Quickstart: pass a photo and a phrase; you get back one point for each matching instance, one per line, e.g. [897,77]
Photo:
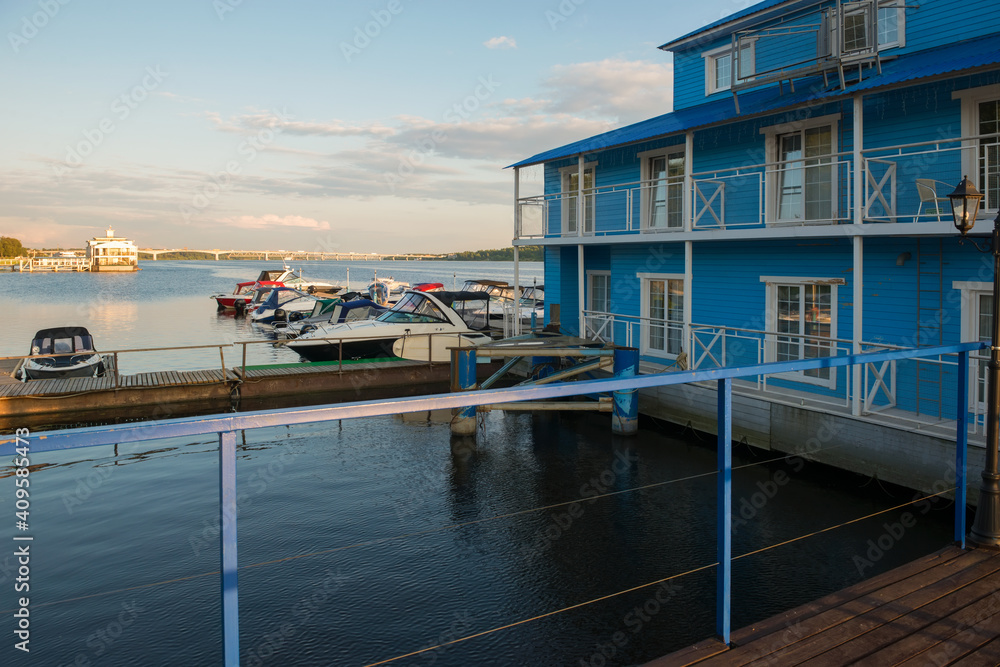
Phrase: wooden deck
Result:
[943,609]
[176,393]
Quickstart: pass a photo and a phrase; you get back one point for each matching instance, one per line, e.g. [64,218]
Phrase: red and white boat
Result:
[244,292]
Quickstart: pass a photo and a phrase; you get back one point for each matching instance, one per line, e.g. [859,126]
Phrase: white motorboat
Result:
[327,311]
[299,282]
[72,355]
[279,303]
[415,314]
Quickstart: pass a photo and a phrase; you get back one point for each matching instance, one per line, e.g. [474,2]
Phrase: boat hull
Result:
[93,367]
[372,348]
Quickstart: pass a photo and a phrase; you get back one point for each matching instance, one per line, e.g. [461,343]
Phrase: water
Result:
[166,305]
[367,539]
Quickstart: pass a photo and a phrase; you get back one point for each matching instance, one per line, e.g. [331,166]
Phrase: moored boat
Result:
[72,355]
[244,292]
[416,313]
[327,311]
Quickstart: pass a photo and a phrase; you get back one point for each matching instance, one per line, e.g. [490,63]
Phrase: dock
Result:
[943,609]
[178,393]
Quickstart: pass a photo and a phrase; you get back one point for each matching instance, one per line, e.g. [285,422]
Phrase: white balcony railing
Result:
[902,183]
[883,387]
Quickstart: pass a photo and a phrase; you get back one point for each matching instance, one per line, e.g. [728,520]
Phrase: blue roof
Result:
[961,57]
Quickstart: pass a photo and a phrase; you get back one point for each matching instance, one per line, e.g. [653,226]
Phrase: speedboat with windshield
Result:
[72,355]
[327,311]
[460,315]
[244,292]
[280,303]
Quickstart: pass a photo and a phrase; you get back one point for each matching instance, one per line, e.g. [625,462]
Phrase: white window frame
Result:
[644,349]
[710,57]
[900,6]
[971,291]
[645,189]
[608,334]
[900,41]
[770,347]
[970,99]
[564,176]
[771,134]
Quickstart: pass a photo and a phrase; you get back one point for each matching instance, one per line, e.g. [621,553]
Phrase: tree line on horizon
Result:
[11,247]
[532,253]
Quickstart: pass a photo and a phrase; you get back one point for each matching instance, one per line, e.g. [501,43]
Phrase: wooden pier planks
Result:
[935,610]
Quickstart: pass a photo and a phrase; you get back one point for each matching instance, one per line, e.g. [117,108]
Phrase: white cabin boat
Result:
[112,253]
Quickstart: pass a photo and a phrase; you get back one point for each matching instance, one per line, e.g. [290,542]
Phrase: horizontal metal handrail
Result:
[189,426]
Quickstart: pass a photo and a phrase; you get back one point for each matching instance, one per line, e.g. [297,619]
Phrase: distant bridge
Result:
[291,256]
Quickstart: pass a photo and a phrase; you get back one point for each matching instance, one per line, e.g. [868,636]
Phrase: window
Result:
[977,324]
[599,305]
[570,188]
[802,179]
[981,157]
[988,153]
[802,320]
[719,67]
[891,19]
[662,196]
[868,24]
[663,313]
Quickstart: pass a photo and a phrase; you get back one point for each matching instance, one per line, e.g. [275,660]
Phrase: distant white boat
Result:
[112,253]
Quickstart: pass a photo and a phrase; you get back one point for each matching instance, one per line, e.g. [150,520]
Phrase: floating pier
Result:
[179,393]
[943,609]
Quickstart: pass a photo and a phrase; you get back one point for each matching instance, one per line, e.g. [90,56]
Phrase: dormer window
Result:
[719,67]
[891,23]
[866,22]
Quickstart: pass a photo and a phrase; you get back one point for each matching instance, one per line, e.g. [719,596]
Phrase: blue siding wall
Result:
[927,25]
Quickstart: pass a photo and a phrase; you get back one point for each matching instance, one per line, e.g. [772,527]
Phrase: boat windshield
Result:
[413,307]
[288,295]
[64,345]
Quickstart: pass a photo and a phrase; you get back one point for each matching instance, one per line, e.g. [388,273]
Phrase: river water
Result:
[368,539]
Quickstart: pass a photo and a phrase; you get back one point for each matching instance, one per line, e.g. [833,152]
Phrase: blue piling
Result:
[625,417]
[227,517]
[463,378]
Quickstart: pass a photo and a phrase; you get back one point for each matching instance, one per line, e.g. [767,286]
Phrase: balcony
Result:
[887,392]
[907,183]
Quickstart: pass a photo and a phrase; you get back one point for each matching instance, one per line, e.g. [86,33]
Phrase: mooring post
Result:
[227,539]
[463,378]
[961,446]
[724,516]
[625,417]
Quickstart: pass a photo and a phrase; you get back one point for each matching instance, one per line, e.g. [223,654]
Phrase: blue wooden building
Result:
[793,205]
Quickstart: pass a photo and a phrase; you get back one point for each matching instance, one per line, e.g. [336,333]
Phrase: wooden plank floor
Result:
[943,609]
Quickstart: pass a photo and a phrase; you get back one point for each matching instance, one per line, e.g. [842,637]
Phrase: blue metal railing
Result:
[227,425]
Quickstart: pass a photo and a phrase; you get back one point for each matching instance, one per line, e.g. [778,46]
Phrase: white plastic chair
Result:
[927,190]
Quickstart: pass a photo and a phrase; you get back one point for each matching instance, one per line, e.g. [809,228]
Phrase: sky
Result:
[370,126]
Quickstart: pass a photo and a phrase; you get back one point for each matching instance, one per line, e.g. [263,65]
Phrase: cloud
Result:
[271,221]
[260,120]
[626,90]
[501,42]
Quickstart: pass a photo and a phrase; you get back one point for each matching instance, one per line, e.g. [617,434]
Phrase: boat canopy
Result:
[62,340]
[279,296]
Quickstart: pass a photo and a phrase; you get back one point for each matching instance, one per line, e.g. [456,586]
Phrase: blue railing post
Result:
[724,514]
[625,417]
[227,522]
[961,446]
[463,378]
